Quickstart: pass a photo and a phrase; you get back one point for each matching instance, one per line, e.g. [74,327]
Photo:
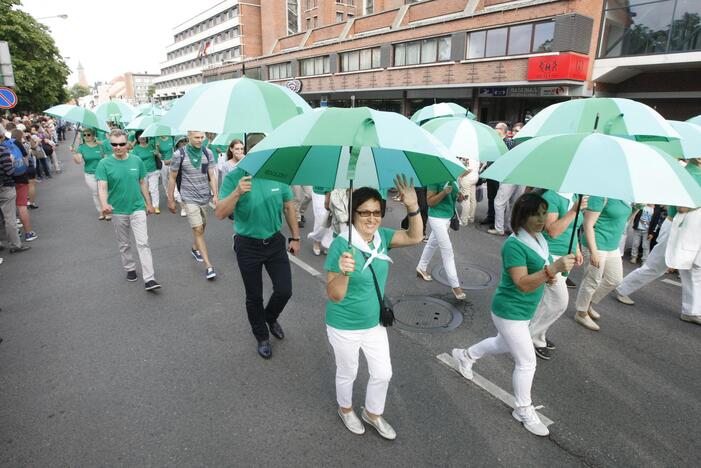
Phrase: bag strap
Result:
[377,285]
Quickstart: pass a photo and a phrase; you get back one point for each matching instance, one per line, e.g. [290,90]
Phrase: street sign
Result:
[8,98]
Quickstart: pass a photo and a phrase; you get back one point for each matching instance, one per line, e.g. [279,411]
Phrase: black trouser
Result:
[252,255]
[492,189]
[61,131]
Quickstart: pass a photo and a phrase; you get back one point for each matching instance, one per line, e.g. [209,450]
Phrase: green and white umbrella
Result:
[142,122]
[158,129]
[467,138]
[116,111]
[689,146]
[239,105]
[601,165]
[695,120]
[222,141]
[442,109]
[150,109]
[339,148]
[611,116]
[78,115]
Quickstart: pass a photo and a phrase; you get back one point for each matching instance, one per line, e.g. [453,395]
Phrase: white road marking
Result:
[304,266]
[669,281]
[490,387]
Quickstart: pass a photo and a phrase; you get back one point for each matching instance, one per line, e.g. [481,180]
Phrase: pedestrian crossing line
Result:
[491,388]
[669,281]
[304,266]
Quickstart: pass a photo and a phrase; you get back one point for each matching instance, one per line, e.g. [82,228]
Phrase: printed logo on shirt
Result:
[133,169]
[275,190]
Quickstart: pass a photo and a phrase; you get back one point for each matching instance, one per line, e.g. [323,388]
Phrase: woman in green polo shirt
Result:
[355,281]
[89,153]
[146,151]
[527,266]
[605,222]
[441,207]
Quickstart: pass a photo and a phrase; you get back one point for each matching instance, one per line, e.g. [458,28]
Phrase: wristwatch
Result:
[292,239]
[413,213]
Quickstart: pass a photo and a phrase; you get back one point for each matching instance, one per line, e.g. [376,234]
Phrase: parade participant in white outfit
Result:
[508,193]
[468,190]
[321,235]
[527,266]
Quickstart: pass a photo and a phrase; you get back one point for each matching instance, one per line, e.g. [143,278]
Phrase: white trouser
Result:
[303,196]
[439,238]
[691,290]
[654,267]
[469,203]
[91,182]
[375,346]
[640,237]
[551,307]
[598,282]
[504,203]
[165,174]
[320,233]
[513,338]
[153,189]
[136,223]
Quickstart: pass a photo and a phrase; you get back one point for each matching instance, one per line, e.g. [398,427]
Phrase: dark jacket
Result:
[7,169]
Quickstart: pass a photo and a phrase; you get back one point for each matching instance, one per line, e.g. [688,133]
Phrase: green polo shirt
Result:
[165,147]
[123,183]
[319,190]
[611,225]
[92,155]
[104,139]
[509,302]
[258,213]
[556,204]
[446,208]
[145,153]
[360,308]
[695,172]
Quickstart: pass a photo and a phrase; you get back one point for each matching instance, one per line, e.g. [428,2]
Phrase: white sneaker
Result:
[624,299]
[530,421]
[383,428]
[464,361]
[352,422]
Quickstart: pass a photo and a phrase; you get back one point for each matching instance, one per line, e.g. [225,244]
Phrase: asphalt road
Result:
[96,372]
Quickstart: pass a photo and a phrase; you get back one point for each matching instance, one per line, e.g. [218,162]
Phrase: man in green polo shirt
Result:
[258,206]
[124,195]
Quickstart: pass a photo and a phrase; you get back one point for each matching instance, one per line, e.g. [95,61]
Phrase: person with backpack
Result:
[21,178]
[89,153]
[193,171]
[8,197]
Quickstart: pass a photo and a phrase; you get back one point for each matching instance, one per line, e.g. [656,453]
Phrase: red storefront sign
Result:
[558,67]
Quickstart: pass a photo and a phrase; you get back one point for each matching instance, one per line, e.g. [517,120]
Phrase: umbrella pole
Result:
[574,227]
[350,214]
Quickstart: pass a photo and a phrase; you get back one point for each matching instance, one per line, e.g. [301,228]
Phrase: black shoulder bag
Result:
[386,312]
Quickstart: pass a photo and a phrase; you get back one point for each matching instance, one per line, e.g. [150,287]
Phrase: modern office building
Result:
[651,51]
[137,86]
[212,37]
[500,58]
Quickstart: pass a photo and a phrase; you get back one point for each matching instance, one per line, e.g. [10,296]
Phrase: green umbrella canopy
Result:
[442,109]
[142,122]
[612,116]
[467,138]
[78,115]
[689,146]
[115,111]
[330,147]
[149,109]
[695,120]
[158,129]
[222,141]
[239,105]
[601,165]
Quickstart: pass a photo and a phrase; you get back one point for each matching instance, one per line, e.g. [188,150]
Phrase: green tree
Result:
[151,91]
[78,91]
[40,72]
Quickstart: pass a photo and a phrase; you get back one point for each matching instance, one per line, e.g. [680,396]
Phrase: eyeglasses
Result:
[367,214]
[118,144]
[87,134]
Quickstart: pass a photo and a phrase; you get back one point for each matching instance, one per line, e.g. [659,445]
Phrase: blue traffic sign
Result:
[8,98]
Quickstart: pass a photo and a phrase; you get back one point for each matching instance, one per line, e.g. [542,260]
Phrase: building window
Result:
[365,59]
[519,39]
[292,16]
[312,4]
[423,51]
[369,7]
[309,23]
[315,66]
[339,17]
[280,71]
[543,35]
[316,21]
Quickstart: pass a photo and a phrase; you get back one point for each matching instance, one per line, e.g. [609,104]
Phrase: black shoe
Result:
[549,345]
[303,219]
[487,221]
[131,275]
[151,285]
[264,349]
[21,248]
[543,353]
[32,206]
[276,330]
[300,224]
[570,284]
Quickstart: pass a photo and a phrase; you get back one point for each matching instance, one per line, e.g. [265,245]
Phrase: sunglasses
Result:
[118,144]
[87,134]
[367,214]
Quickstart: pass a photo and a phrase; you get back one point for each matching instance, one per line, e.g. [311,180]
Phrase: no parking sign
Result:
[8,98]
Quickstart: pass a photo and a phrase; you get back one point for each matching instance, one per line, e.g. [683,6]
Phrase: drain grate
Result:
[425,314]
[472,277]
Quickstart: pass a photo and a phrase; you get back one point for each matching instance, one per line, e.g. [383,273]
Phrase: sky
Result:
[113,37]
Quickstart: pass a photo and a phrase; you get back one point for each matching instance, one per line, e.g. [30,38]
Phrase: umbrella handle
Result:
[576,218]
[350,214]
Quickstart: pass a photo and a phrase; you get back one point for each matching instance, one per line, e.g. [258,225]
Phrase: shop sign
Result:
[493,92]
[558,67]
[525,91]
[555,91]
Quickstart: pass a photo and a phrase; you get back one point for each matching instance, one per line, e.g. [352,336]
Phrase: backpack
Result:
[205,165]
[17,159]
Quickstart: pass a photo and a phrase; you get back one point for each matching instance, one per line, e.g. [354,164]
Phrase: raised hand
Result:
[407,194]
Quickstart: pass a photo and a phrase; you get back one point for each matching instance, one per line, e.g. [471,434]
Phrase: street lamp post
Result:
[63,16]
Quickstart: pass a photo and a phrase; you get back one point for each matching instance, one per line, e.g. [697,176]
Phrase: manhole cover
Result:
[471,276]
[425,314]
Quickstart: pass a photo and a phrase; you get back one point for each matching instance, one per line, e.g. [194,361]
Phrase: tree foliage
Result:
[78,91]
[40,72]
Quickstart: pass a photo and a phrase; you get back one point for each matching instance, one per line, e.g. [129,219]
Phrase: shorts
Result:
[196,214]
[22,194]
